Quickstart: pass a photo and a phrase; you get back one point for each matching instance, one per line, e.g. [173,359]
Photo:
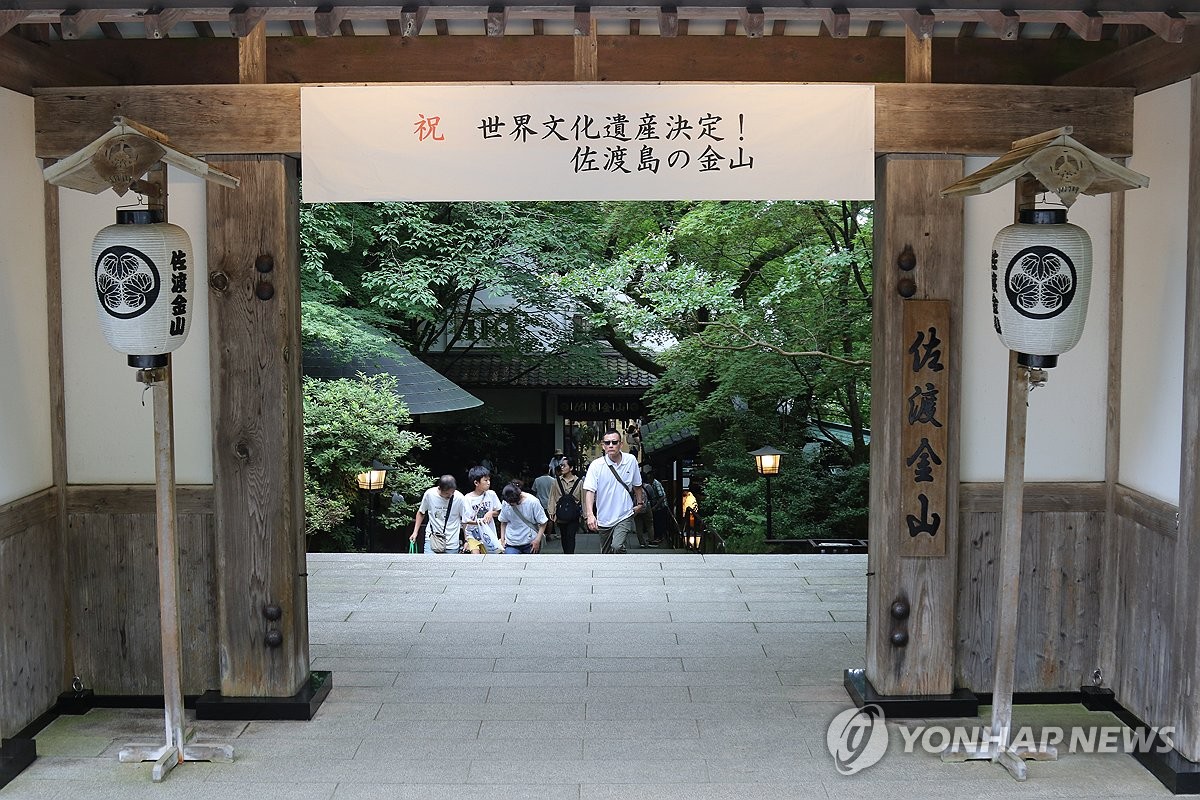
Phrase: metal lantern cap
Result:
[767,460]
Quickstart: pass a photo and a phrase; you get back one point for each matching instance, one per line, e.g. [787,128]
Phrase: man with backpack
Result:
[566,503]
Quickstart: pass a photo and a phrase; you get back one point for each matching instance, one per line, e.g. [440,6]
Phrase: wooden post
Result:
[176,750]
[258,479]
[912,220]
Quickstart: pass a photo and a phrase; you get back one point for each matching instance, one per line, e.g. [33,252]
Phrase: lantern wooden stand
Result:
[118,160]
[1053,162]
[176,750]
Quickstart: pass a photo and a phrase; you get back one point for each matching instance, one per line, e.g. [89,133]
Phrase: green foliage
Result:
[348,424]
[755,316]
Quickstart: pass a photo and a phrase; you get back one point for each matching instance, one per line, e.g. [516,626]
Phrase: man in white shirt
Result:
[443,505]
[612,494]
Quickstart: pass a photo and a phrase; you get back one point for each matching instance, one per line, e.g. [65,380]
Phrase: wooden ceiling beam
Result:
[668,22]
[837,22]
[1005,23]
[779,27]
[753,21]
[204,30]
[1169,25]
[346,27]
[25,66]
[412,19]
[158,24]
[10,19]
[298,27]
[243,21]
[909,118]
[75,23]
[1088,25]
[497,20]
[1143,66]
[632,58]
[919,21]
[328,20]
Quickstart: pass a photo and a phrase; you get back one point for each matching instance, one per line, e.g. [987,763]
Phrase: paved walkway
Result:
[567,677]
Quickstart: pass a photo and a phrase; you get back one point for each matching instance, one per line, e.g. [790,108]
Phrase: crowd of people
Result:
[616,497]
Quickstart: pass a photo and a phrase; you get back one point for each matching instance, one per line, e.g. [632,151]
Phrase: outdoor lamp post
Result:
[371,481]
[767,461]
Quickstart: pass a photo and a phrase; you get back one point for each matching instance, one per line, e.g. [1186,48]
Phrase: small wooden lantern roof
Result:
[1061,164]
[119,158]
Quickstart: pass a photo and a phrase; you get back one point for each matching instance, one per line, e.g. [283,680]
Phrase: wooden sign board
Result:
[924,454]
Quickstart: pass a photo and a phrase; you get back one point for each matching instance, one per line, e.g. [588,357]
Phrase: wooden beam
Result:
[1088,25]
[328,18]
[1006,23]
[10,19]
[587,54]
[25,66]
[635,27]
[1144,66]
[159,23]
[497,20]
[110,30]
[668,21]
[244,21]
[836,22]
[874,28]
[441,26]
[779,27]
[753,20]
[252,55]
[918,58]
[412,18]
[1186,639]
[1169,25]
[539,27]
[203,29]
[731,26]
[299,28]
[919,21]
[909,118]
[76,23]
[258,461]
[346,27]
[683,27]
[967,30]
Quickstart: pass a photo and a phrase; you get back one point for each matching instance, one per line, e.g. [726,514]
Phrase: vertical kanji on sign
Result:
[924,435]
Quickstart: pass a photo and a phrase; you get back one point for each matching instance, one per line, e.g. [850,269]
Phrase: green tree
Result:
[348,424]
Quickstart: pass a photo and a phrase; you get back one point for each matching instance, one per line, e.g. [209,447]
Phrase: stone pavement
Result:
[567,677]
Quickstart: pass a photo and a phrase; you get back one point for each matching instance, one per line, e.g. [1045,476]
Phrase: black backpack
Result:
[567,508]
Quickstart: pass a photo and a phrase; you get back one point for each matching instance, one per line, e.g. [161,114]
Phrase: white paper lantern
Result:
[1041,279]
[142,269]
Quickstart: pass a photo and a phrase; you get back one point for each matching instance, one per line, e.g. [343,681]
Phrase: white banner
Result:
[588,142]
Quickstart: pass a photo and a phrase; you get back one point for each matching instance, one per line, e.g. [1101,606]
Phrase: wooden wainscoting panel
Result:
[114,602]
[1058,638]
[32,658]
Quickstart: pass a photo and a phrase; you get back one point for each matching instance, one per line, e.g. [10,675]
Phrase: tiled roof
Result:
[423,389]
[487,368]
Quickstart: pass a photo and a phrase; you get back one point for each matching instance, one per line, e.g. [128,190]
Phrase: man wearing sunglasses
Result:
[612,494]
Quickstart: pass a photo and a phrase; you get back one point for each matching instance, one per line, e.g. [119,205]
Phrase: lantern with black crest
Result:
[142,268]
[1041,265]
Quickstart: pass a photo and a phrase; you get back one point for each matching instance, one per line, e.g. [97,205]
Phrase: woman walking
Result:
[566,503]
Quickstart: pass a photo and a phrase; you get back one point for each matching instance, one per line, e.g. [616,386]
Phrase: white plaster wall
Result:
[25,460]
[1155,274]
[1066,425]
[110,435]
